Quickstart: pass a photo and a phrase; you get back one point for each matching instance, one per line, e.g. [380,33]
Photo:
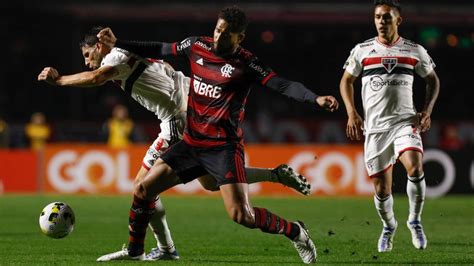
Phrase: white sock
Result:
[384,208]
[255,175]
[416,188]
[160,229]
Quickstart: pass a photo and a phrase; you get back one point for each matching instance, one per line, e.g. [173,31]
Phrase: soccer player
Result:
[162,90]
[392,126]
[221,75]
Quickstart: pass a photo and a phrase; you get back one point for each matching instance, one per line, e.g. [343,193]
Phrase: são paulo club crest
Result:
[389,63]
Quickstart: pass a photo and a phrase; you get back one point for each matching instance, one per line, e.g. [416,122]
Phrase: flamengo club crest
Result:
[389,63]
[227,70]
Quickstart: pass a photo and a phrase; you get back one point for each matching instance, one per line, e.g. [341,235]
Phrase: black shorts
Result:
[225,163]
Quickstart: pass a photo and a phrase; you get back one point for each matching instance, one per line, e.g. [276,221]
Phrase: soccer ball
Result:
[57,220]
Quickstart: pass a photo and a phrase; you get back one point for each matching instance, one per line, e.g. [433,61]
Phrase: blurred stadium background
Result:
[306,41]
[302,40]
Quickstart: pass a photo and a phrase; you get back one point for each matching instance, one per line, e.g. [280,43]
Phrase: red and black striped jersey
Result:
[218,91]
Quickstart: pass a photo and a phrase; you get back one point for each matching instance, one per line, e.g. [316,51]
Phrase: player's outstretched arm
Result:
[432,91]
[354,122]
[84,79]
[299,92]
[146,49]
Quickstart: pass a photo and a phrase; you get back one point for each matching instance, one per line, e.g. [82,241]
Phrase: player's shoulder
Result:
[204,42]
[246,55]
[413,46]
[366,44]
[116,56]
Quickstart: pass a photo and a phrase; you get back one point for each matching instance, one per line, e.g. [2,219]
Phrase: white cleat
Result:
[304,245]
[418,237]
[121,255]
[386,239]
[157,254]
[287,176]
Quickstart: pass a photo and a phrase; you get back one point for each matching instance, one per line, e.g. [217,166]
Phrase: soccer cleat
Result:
[287,176]
[418,237]
[304,245]
[157,254]
[386,239]
[121,255]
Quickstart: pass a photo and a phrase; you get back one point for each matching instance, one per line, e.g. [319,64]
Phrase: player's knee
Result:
[140,190]
[241,216]
[415,171]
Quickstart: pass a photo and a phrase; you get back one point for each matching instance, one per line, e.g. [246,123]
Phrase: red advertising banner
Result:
[98,169]
[18,171]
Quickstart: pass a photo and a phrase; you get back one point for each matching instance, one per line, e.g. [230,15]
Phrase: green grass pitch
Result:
[345,231]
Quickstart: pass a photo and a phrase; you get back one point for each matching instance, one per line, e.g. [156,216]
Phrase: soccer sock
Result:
[272,224]
[139,217]
[416,188]
[385,210]
[255,175]
[160,229]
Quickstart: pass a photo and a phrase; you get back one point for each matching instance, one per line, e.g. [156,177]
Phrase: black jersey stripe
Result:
[133,77]
[383,71]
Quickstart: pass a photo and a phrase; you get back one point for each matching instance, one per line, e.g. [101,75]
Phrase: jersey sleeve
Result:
[119,61]
[259,71]
[353,64]
[183,48]
[425,65]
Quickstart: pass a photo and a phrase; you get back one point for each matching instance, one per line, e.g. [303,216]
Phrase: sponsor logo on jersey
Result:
[259,69]
[203,45]
[183,45]
[372,52]
[412,44]
[389,63]
[227,70]
[377,83]
[366,44]
[207,90]
[200,62]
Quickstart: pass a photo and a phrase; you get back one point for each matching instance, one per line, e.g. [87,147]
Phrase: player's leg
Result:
[409,149]
[384,205]
[239,209]
[416,189]
[379,157]
[165,248]
[282,174]
[227,166]
[158,179]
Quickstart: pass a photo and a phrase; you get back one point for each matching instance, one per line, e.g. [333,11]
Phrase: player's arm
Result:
[432,91]
[84,79]
[145,49]
[354,122]
[299,92]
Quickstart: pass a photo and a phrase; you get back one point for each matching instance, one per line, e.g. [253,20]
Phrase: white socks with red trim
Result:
[384,208]
[160,229]
[416,188]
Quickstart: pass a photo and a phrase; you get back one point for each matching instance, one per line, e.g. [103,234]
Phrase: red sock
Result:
[139,216]
[273,224]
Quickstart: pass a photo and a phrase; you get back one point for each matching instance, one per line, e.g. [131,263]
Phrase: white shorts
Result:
[171,132]
[381,150]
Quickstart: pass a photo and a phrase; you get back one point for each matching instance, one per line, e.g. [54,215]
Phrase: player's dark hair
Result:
[90,38]
[235,17]
[391,3]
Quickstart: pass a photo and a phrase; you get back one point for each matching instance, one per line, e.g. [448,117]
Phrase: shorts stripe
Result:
[410,149]
[379,174]
[145,166]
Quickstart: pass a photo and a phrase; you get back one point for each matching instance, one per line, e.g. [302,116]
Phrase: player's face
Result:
[92,56]
[386,20]
[226,41]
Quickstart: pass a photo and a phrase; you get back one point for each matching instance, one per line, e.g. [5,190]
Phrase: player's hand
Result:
[107,37]
[49,74]
[424,121]
[327,102]
[354,127]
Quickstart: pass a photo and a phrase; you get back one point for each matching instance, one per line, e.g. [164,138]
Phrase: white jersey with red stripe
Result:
[152,83]
[387,80]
